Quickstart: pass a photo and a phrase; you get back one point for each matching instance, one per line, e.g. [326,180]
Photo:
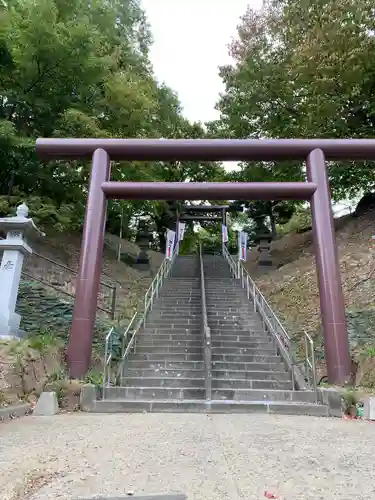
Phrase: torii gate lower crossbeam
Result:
[316,190]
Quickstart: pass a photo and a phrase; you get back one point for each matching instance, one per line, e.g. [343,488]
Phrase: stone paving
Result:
[215,457]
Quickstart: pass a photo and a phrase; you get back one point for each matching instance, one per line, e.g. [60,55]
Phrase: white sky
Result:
[190,42]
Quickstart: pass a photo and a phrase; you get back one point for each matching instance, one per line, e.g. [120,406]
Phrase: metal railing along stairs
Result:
[303,372]
[111,310]
[114,361]
[205,331]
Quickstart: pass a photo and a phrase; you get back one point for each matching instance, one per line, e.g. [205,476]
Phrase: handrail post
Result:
[313,363]
[206,333]
[254,298]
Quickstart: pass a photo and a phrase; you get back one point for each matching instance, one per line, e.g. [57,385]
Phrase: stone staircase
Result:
[245,363]
[167,368]
[167,373]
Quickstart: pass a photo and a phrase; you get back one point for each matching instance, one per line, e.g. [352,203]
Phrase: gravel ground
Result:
[216,457]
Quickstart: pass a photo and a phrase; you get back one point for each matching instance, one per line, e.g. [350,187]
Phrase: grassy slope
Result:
[292,288]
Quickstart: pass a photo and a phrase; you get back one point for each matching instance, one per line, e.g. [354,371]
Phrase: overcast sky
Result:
[190,42]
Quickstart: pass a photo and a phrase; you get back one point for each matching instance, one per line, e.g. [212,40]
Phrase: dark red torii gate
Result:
[316,190]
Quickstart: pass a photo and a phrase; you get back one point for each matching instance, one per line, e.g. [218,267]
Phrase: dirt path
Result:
[219,457]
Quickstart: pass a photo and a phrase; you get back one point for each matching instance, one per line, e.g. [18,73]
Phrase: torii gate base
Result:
[316,190]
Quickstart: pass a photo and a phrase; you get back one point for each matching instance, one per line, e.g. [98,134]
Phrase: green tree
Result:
[304,69]
[81,69]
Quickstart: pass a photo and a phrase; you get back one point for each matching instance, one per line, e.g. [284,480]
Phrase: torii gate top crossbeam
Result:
[207,149]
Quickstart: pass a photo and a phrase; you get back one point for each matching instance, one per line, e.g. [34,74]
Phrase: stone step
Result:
[160,381]
[231,298]
[183,284]
[171,357]
[230,323]
[180,309]
[175,297]
[180,288]
[176,321]
[176,302]
[245,358]
[242,337]
[173,320]
[171,331]
[252,366]
[171,349]
[232,312]
[245,344]
[212,286]
[166,373]
[179,337]
[165,316]
[123,392]
[222,383]
[155,342]
[233,295]
[142,405]
[261,351]
[275,395]
[144,364]
[233,330]
[197,335]
[251,375]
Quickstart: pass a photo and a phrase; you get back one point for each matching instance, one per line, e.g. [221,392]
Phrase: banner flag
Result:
[224,232]
[242,245]
[181,231]
[170,244]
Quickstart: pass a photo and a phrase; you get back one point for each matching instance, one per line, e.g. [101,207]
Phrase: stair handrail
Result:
[136,322]
[111,312]
[157,282]
[275,327]
[206,332]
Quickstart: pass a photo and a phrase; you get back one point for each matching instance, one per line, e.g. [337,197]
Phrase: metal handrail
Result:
[63,266]
[108,352]
[136,322]
[107,360]
[157,282]
[310,361]
[272,323]
[111,311]
[206,332]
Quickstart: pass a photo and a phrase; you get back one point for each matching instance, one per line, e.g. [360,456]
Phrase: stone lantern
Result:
[18,229]
[263,239]
[143,239]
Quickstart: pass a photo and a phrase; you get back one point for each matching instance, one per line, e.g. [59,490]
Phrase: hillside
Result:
[64,248]
[292,288]
[28,366]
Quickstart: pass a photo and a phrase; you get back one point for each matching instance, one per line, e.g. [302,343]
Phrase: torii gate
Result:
[315,190]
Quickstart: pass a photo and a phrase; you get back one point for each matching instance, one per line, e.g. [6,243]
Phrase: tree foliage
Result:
[81,68]
[303,69]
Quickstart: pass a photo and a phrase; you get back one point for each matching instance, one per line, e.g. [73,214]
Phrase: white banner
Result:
[170,244]
[181,231]
[242,245]
[224,233]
